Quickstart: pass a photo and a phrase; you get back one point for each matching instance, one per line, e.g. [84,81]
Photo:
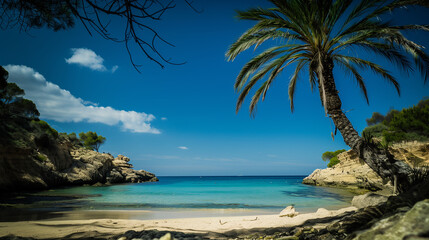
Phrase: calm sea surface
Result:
[193,195]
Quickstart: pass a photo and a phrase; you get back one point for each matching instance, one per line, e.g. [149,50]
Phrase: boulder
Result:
[413,224]
[289,211]
[368,199]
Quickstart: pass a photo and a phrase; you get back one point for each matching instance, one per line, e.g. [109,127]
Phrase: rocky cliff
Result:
[352,173]
[62,164]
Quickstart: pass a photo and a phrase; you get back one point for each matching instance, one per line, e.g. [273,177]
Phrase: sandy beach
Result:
[210,226]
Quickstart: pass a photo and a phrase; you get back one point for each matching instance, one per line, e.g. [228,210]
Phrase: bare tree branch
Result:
[96,17]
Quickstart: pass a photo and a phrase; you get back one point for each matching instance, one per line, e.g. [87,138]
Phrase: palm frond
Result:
[389,52]
[292,83]
[256,62]
[411,27]
[258,76]
[248,40]
[257,14]
[373,66]
[312,79]
[421,59]
[357,76]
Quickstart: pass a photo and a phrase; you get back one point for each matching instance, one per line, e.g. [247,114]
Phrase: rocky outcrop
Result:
[413,224]
[351,172]
[63,165]
[122,172]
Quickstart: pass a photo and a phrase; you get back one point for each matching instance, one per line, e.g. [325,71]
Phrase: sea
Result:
[176,197]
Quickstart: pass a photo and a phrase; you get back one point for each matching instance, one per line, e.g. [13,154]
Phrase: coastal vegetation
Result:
[91,140]
[12,103]
[317,36]
[409,124]
[20,121]
[332,157]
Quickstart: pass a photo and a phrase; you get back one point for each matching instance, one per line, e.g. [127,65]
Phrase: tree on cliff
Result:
[332,157]
[96,16]
[317,35]
[91,140]
[12,103]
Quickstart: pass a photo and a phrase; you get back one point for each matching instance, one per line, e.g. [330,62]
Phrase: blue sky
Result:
[181,120]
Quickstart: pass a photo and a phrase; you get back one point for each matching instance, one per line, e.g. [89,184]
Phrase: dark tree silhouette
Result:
[12,103]
[96,16]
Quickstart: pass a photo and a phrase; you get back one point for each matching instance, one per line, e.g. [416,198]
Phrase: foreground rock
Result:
[413,224]
[61,164]
[352,173]
[289,212]
[368,200]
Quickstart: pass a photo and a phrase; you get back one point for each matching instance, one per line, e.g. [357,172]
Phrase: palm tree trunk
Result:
[379,160]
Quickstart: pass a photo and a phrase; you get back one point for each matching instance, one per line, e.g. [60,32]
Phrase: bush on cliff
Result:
[406,125]
[332,157]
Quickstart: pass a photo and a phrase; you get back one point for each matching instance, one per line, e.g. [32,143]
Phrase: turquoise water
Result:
[263,193]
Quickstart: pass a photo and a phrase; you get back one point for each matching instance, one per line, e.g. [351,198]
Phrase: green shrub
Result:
[407,125]
[333,162]
[375,130]
[332,157]
[375,119]
[63,136]
[44,127]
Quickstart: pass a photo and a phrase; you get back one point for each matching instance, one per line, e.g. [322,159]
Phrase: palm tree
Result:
[317,35]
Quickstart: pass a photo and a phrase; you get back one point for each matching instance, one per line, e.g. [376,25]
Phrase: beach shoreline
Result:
[210,226]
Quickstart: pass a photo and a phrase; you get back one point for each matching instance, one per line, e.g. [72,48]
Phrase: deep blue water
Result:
[267,193]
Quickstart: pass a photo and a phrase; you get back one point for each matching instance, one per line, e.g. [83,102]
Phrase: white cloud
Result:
[183,148]
[60,105]
[88,58]
[163,118]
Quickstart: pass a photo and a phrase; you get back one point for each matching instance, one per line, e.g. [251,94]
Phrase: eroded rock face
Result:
[352,173]
[62,165]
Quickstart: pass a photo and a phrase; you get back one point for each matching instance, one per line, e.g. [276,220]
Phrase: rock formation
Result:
[61,165]
[353,173]
[122,172]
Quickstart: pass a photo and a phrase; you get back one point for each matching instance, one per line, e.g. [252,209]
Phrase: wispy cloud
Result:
[183,148]
[60,105]
[114,68]
[88,58]
[163,118]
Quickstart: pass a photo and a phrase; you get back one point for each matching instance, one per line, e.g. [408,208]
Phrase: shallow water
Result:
[180,197]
